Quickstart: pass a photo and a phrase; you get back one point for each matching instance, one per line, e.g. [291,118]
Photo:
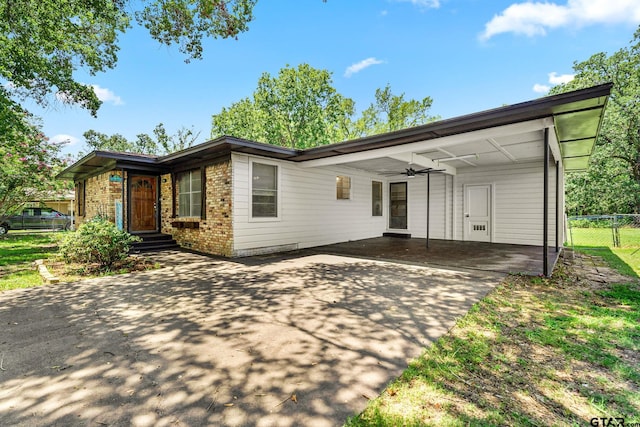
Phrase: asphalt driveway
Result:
[298,341]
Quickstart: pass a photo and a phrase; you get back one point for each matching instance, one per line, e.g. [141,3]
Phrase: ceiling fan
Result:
[411,172]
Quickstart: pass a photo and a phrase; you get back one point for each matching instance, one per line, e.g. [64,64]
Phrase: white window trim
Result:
[191,171]
[278,166]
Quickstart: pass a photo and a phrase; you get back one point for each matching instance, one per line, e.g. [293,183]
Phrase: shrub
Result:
[97,241]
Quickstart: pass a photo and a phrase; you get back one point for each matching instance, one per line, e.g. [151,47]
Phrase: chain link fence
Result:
[617,230]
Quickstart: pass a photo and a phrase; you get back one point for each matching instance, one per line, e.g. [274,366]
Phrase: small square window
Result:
[343,187]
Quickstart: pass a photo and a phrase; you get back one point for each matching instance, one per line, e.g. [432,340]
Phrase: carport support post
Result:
[428,204]
[557,205]
[545,209]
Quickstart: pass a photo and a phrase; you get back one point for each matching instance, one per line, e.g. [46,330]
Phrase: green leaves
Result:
[97,241]
[28,160]
[300,108]
[186,22]
[161,143]
[44,42]
[391,112]
[612,182]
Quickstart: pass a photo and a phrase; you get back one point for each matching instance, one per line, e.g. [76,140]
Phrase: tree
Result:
[300,108]
[143,144]
[391,112]
[28,160]
[43,43]
[101,141]
[183,138]
[612,182]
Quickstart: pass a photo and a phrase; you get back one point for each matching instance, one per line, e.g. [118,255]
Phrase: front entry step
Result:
[155,242]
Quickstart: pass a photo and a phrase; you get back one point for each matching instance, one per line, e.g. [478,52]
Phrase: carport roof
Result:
[576,117]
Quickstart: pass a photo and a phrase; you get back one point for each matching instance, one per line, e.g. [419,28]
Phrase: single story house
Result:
[493,176]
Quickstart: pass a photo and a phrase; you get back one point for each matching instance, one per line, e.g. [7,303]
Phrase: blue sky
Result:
[468,55]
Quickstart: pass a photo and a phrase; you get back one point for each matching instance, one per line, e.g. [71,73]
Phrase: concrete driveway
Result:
[214,342]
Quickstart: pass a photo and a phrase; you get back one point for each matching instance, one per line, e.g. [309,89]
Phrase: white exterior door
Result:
[477,214]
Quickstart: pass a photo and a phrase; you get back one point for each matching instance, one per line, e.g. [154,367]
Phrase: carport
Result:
[451,254]
[489,185]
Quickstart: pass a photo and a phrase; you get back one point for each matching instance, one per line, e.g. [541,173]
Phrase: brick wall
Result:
[100,195]
[215,233]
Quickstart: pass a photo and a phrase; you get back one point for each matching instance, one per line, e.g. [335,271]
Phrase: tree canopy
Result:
[42,43]
[159,144]
[612,182]
[300,108]
[28,160]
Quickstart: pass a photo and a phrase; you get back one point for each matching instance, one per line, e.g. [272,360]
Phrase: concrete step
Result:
[155,242]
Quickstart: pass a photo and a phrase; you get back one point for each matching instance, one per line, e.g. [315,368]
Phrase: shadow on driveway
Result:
[213,342]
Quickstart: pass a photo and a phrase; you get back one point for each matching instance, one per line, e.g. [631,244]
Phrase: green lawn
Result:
[629,237]
[599,242]
[17,253]
[534,351]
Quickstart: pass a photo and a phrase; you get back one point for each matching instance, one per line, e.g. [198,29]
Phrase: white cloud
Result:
[64,139]
[359,66]
[538,88]
[556,79]
[534,18]
[103,94]
[433,4]
[106,95]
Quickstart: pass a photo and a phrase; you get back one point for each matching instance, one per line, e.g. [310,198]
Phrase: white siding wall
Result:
[310,215]
[518,204]
[440,208]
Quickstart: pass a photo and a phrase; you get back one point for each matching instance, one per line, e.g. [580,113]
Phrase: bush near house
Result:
[97,241]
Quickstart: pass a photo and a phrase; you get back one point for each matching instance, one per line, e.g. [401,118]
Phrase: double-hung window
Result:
[190,193]
[264,190]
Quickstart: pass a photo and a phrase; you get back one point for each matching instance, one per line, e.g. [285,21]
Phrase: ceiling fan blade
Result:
[425,170]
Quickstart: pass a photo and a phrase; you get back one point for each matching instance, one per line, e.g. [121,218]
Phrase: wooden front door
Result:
[144,197]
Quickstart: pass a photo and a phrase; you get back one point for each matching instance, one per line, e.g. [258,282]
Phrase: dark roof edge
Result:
[541,104]
[114,155]
[231,141]
[528,110]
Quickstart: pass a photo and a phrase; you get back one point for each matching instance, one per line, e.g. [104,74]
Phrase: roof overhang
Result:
[509,134]
[504,135]
[98,162]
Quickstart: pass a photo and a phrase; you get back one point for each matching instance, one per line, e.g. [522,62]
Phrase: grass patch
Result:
[624,260]
[535,351]
[629,237]
[17,253]
[599,242]
[19,250]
